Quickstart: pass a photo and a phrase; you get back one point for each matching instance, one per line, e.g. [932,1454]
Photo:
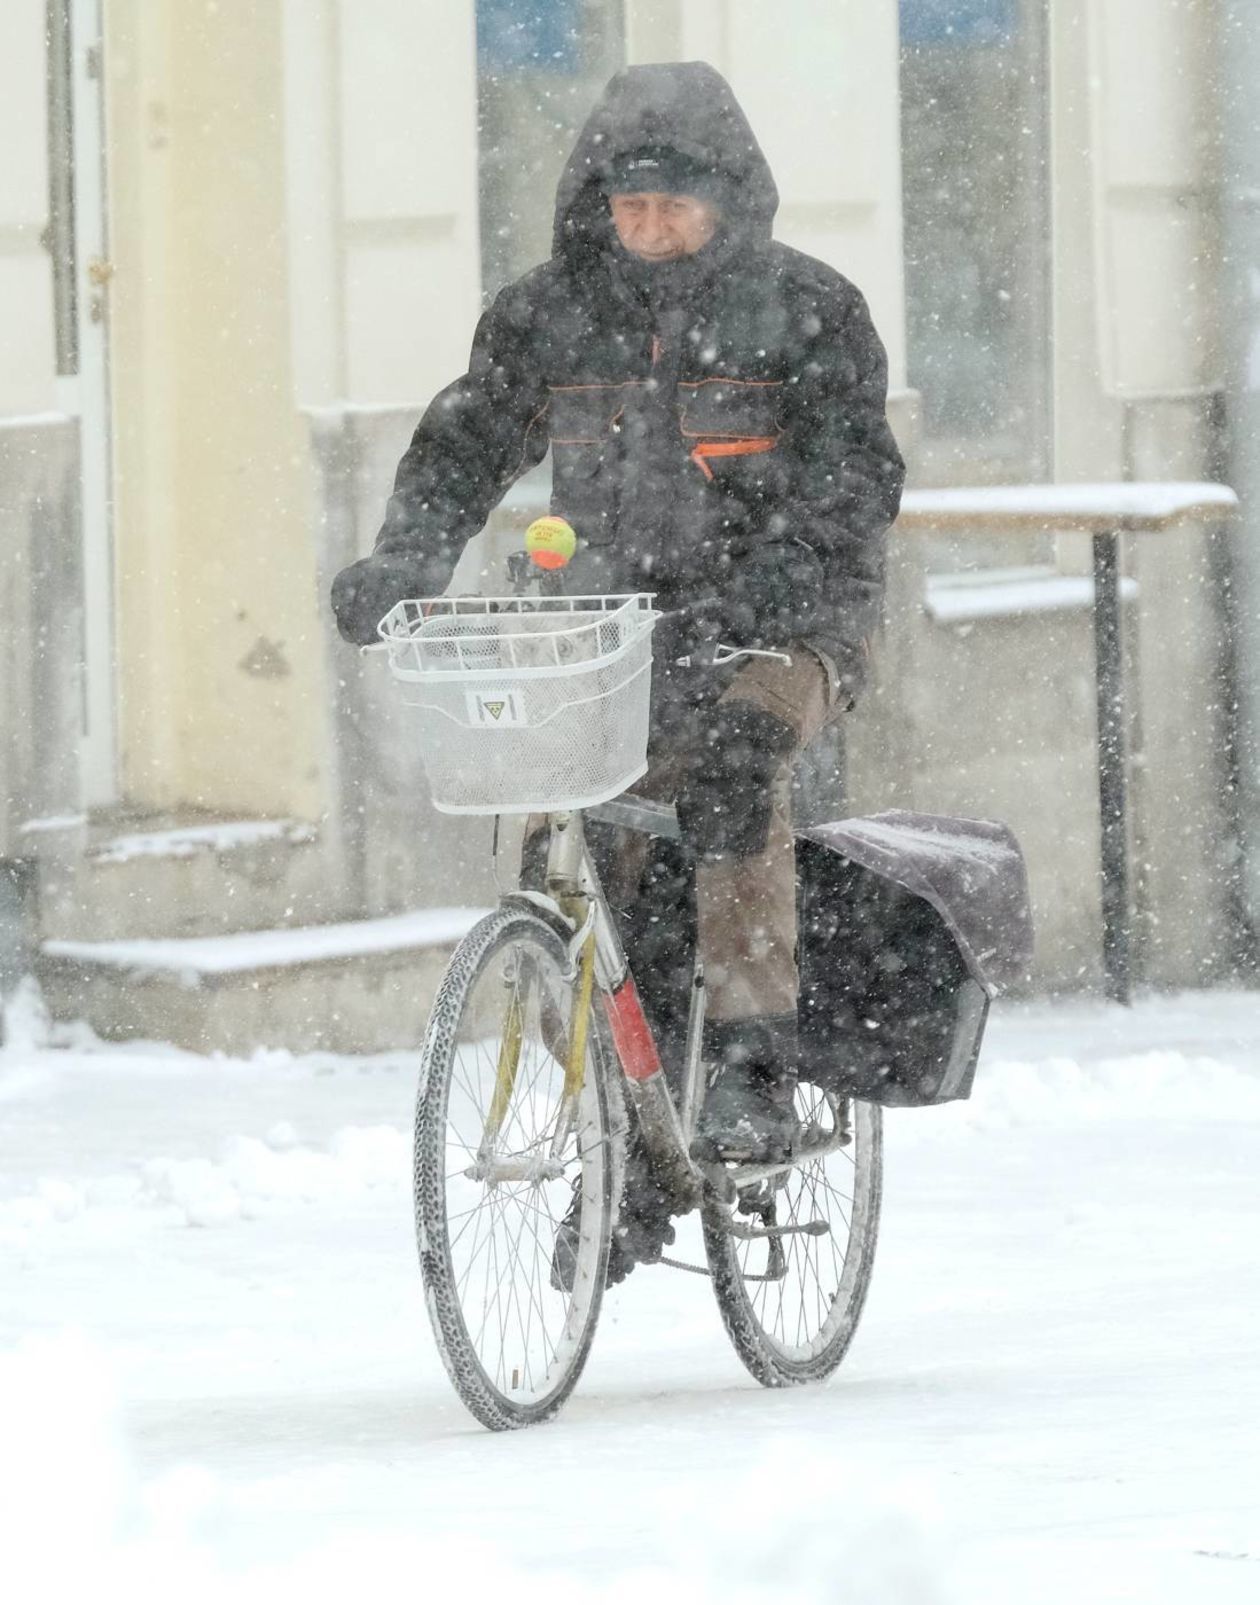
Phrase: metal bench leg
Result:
[1112,770]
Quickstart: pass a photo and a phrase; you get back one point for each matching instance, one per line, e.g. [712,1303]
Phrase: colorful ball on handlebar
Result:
[551,542]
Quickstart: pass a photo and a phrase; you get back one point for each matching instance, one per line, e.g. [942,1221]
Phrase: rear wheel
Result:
[791,1301]
[512,1141]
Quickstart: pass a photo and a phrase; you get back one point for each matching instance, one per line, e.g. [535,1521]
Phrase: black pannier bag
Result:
[909,925]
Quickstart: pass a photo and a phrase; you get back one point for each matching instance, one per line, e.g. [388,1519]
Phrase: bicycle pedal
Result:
[707,1153]
[807,1228]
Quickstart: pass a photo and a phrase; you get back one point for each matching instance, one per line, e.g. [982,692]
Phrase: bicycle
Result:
[529,1091]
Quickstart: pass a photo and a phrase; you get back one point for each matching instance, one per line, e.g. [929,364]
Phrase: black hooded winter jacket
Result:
[717,424]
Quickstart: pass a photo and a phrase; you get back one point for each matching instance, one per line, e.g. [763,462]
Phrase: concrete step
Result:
[363,986]
[154,876]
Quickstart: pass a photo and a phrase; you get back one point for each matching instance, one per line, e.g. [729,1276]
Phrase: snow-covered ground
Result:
[217,1380]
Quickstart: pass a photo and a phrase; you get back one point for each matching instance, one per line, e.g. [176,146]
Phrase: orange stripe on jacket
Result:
[729,448]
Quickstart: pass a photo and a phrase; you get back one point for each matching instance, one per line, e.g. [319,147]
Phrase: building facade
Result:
[242,244]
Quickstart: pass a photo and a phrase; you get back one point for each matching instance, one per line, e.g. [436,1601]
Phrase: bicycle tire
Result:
[526,1381]
[756,1322]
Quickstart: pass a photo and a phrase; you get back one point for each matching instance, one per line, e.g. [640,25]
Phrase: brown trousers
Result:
[746,907]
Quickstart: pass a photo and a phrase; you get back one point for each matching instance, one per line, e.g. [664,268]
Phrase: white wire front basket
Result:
[526,704]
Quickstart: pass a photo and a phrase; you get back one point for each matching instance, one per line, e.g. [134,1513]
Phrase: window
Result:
[541,65]
[977,236]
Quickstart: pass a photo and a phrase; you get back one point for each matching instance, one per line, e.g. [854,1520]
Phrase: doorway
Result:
[79,238]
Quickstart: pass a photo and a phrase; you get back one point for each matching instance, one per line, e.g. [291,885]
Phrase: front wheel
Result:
[513,1158]
[791,1300]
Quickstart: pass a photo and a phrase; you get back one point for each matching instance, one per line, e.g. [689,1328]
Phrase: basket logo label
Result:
[494,710]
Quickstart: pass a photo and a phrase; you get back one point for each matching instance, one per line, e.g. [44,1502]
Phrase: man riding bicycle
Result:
[714,403]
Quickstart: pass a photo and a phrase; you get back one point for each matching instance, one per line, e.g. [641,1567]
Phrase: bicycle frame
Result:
[572,884]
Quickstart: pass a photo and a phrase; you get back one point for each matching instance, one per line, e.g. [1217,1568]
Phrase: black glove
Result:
[364,593]
[724,803]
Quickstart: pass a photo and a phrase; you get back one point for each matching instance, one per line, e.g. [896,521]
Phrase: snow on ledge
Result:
[191,957]
[220,837]
[15,422]
[951,599]
[335,411]
[49,824]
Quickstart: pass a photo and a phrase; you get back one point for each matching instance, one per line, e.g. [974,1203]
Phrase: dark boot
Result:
[643,1228]
[749,1110]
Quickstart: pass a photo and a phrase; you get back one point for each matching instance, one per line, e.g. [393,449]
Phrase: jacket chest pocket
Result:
[584,415]
[583,423]
[728,418]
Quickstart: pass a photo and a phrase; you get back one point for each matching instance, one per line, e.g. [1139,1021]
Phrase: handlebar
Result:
[723,654]
[522,573]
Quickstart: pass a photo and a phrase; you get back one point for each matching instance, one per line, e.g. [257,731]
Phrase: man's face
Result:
[661,228]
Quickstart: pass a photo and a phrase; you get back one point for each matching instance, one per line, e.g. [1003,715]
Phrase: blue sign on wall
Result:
[958,22]
[542,35]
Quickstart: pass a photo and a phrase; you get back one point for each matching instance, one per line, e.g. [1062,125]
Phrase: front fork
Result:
[566,1045]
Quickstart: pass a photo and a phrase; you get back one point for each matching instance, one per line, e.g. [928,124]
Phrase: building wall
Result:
[381,125]
[381,140]
[995,716]
[1137,354]
[1134,162]
[294,200]
[222,701]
